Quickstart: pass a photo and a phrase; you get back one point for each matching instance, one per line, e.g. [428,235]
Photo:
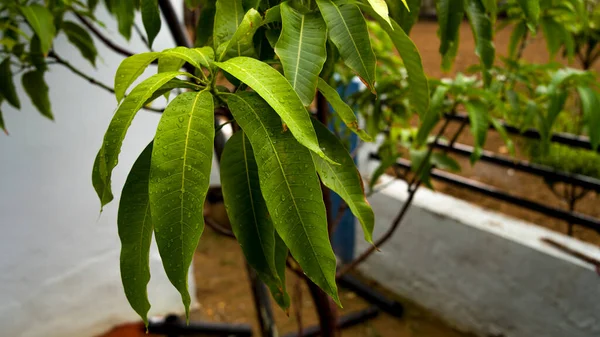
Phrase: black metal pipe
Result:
[173,326]
[524,166]
[572,217]
[561,138]
[389,306]
[345,321]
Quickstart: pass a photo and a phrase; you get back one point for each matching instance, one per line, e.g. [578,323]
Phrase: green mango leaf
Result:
[290,187]
[343,179]
[388,153]
[179,179]
[2,125]
[380,7]
[7,86]
[197,57]
[590,104]
[342,109]
[228,15]
[483,32]
[205,24]
[450,15]
[301,48]
[418,84]
[406,14]
[515,38]
[248,214]
[280,95]
[171,85]
[241,43]
[479,124]
[281,254]
[37,90]
[41,21]
[135,232]
[444,162]
[531,9]
[36,55]
[433,115]
[348,31]
[421,165]
[130,69]
[272,14]
[125,13]
[151,19]
[81,39]
[169,63]
[108,155]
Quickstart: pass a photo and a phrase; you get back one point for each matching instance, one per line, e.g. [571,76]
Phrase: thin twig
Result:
[110,44]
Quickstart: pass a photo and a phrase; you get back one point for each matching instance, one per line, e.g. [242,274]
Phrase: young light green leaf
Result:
[531,9]
[135,232]
[81,39]
[41,21]
[37,90]
[418,85]
[479,124]
[348,31]
[7,86]
[125,13]
[342,109]
[301,48]
[290,187]
[197,57]
[343,179]
[380,7]
[450,15]
[179,179]
[108,156]
[151,19]
[590,103]
[432,116]
[248,214]
[483,32]
[130,69]
[228,15]
[241,43]
[280,95]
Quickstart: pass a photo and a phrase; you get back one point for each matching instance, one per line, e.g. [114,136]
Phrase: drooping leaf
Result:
[81,39]
[432,116]
[197,57]
[108,155]
[406,15]
[342,109]
[248,214]
[479,124]
[590,103]
[130,69]
[290,187]
[2,125]
[179,179]
[420,165]
[515,38]
[7,86]
[228,15]
[272,14]
[504,135]
[418,85]
[301,48]
[343,179]
[483,32]
[36,55]
[531,9]
[41,21]
[348,31]
[450,15]
[151,19]
[241,43]
[280,95]
[281,254]
[380,7]
[135,232]
[37,90]
[125,13]
[171,85]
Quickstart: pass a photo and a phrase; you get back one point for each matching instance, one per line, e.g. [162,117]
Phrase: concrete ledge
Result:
[481,271]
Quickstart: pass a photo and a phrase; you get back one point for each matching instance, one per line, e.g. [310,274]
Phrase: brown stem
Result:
[326,310]
[297,302]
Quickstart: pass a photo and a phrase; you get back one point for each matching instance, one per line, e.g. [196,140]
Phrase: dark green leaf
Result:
[125,12]
[228,15]
[343,179]
[135,231]
[590,104]
[37,90]
[179,179]
[248,214]
[483,32]
[502,132]
[130,69]
[290,187]
[406,18]
[280,95]
[342,109]
[478,116]
[36,55]
[420,165]
[7,86]
[348,31]
[42,22]
[273,14]
[516,37]
[241,43]
[81,39]
[442,161]
[151,19]
[108,156]
[301,48]
[531,8]
[432,116]
[2,126]
[450,15]
[205,24]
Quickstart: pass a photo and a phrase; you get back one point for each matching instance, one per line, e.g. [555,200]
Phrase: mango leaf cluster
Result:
[276,56]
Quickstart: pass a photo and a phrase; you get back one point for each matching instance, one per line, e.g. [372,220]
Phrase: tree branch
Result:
[110,44]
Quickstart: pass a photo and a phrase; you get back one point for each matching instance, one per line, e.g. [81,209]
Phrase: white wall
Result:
[484,272]
[59,258]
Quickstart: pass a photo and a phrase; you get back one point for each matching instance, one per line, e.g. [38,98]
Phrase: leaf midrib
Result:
[297,70]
